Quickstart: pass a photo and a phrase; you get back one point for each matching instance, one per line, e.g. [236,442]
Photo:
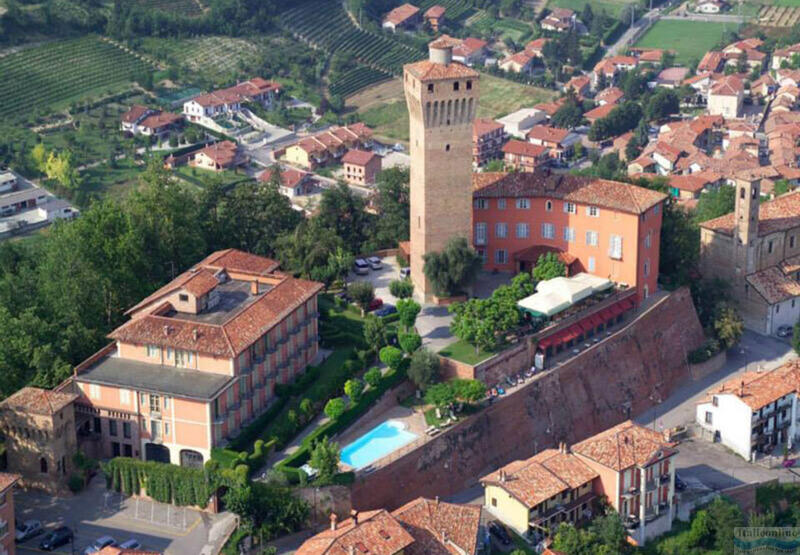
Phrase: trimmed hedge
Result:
[163,482]
[613,33]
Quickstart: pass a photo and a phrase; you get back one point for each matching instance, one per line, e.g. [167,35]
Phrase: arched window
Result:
[43,465]
[191,459]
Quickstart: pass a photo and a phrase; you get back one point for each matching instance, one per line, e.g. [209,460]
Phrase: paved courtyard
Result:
[97,512]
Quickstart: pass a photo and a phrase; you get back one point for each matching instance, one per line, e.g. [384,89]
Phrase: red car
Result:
[375,304]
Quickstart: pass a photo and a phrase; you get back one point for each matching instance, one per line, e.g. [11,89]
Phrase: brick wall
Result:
[599,388]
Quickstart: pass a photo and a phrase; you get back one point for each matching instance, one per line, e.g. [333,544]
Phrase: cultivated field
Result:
[384,108]
[457,10]
[785,14]
[356,80]
[611,7]
[689,39]
[214,57]
[183,7]
[58,73]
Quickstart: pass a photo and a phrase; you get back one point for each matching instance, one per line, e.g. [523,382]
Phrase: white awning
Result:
[557,294]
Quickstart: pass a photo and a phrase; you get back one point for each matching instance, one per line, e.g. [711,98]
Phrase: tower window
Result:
[447,148]
[741,193]
[455,85]
[469,85]
[753,194]
[430,87]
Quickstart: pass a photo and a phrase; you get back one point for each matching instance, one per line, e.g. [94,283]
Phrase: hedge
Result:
[163,482]
[710,348]
[613,33]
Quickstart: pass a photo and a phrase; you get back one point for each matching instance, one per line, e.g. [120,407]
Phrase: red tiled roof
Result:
[429,71]
[376,533]
[585,190]
[201,283]
[535,46]
[692,183]
[160,120]
[774,285]
[779,214]
[482,126]
[38,401]
[468,46]
[729,85]
[550,108]
[134,113]
[7,480]
[114,550]
[651,55]
[401,13]
[710,62]
[290,177]
[599,112]
[625,445]
[547,133]
[358,157]
[611,95]
[436,525]
[759,389]
[522,148]
[435,11]
[522,58]
[223,153]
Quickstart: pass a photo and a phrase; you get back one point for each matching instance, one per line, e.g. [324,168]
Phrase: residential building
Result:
[405,16]
[611,229]
[318,150]
[536,47]
[534,496]
[726,97]
[198,360]
[672,77]
[524,156]
[7,517]
[690,186]
[361,167]
[521,62]
[710,6]
[610,95]
[711,62]
[559,20]
[488,137]
[231,100]
[293,182]
[40,437]
[25,206]
[747,48]
[599,112]
[8,182]
[470,51]
[787,55]
[609,68]
[224,155]
[517,124]
[649,56]
[434,16]
[141,120]
[756,249]
[755,412]
[636,471]
[442,98]
[580,84]
[560,142]
[420,527]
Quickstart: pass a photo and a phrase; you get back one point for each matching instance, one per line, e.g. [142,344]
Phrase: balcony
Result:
[664,478]
[630,492]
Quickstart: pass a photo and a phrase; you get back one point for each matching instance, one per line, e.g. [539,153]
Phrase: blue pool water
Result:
[378,442]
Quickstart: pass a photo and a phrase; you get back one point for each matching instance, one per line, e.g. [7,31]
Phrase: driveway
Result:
[97,512]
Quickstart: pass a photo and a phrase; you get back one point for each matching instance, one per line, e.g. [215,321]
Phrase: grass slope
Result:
[689,39]
[611,7]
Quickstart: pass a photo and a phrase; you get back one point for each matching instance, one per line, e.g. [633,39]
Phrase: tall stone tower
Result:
[442,98]
[748,190]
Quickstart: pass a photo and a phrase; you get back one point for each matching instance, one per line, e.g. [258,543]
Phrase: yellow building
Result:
[539,493]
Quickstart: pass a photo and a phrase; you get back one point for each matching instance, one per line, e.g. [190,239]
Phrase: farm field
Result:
[689,39]
[58,73]
[612,7]
[356,80]
[499,97]
[457,10]
[328,27]
[507,28]
[183,7]
[786,14]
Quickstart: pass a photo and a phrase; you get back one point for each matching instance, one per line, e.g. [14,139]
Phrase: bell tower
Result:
[442,97]
[748,191]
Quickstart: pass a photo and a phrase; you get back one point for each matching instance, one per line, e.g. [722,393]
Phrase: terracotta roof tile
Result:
[38,401]
[358,157]
[134,113]
[290,177]
[481,126]
[758,389]
[547,133]
[774,215]
[600,112]
[436,525]
[522,148]
[401,13]
[201,283]
[774,285]
[435,11]
[611,95]
[585,190]
[625,445]
[7,480]
[376,533]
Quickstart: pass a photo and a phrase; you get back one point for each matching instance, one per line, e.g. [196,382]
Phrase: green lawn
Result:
[612,7]
[103,180]
[498,97]
[464,352]
[790,3]
[689,39]
[200,176]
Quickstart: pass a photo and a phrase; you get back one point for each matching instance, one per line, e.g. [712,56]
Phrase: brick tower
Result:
[748,191]
[442,98]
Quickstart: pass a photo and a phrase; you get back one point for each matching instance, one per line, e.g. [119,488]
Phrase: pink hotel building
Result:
[198,359]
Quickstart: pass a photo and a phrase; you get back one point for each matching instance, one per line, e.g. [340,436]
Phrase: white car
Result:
[405,272]
[99,544]
[374,262]
[28,529]
[360,266]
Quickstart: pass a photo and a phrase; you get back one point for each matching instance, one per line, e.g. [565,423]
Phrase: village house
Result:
[141,120]
[753,413]
[559,20]
[726,97]
[580,84]
[293,182]
[609,68]
[488,137]
[434,16]
[710,6]
[560,142]
[711,62]
[756,248]
[648,56]
[471,51]
[521,62]
[610,95]
[7,517]
[524,156]
[420,527]
[636,470]
[361,167]
[785,56]
[224,155]
[691,186]
[599,112]
[534,496]
[517,124]
[231,100]
[319,149]
[536,47]
[199,359]
[404,17]
[611,229]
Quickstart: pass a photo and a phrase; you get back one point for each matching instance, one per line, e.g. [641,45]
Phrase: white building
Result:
[755,412]
[518,123]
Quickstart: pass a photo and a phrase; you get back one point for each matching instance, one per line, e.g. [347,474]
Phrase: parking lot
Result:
[96,512]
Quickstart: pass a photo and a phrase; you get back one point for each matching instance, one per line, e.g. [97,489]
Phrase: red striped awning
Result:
[596,320]
[628,303]
[606,314]
[616,310]
[586,325]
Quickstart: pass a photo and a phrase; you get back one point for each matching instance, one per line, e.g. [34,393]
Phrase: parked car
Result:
[374,262]
[56,538]
[398,147]
[405,273]
[499,531]
[99,544]
[132,543]
[785,331]
[680,485]
[385,310]
[360,267]
[376,303]
[27,529]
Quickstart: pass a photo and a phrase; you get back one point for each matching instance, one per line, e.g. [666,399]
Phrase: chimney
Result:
[354,516]
[563,447]
[741,388]
[195,334]
[502,476]
[436,499]
[254,288]
[334,518]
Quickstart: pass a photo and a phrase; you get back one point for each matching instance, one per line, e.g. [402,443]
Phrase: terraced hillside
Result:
[356,80]
[456,10]
[182,7]
[57,73]
[324,24]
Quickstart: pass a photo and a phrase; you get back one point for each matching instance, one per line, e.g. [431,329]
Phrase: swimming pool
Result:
[377,443]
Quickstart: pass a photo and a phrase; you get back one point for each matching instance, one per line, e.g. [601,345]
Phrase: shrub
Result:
[363,294]
[424,368]
[334,408]
[373,377]
[391,357]
[708,349]
[353,389]
[401,288]
[408,310]
[410,342]
[75,482]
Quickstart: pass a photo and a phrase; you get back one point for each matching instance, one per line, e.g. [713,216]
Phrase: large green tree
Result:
[454,269]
